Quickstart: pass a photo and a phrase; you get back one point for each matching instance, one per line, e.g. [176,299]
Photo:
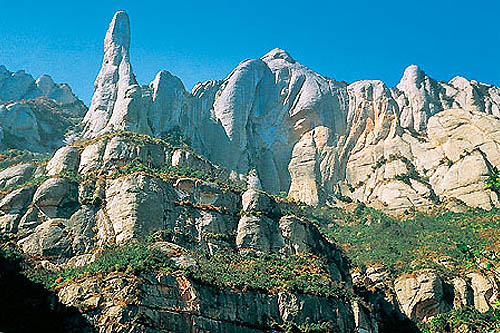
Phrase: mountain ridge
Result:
[274,200]
[300,131]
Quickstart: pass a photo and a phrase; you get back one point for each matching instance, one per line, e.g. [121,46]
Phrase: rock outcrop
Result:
[274,124]
[425,294]
[36,115]
[164,303]
[117,103]
[123,188]
[313,137]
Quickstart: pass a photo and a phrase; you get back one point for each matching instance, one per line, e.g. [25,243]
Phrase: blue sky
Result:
[200,40]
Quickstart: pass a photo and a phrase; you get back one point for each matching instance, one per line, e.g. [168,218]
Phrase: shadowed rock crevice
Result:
[26,306]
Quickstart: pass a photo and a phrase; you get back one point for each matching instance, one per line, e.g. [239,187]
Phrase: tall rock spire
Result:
[117,103]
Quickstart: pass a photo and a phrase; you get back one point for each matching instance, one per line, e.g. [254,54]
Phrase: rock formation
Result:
[273,124]
[117,103]
[315,138]
[36,115]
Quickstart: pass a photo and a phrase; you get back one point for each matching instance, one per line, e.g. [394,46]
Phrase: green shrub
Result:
[455,320]
[493,182]
[306,274]
[133,258]
[176,138]
[416,241]
[307,327]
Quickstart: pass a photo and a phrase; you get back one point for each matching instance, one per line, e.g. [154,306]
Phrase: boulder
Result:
[65,160]
[421,295]
[16,175]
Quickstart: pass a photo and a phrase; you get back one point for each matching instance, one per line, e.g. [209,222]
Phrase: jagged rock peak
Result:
[116,104]
[164,77]
[45,83]
[118,34]
[412,74]
[278,53]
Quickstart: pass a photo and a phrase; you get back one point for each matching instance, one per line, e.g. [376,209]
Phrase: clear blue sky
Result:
[200,40]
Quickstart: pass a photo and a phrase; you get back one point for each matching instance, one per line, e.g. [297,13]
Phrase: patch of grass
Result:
[307,327]
[269,273]
[369,237]
[133,258]
[13,157]
[305,273]
[457,320]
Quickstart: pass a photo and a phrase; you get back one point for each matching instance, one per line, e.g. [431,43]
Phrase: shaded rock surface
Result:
[424,294]
[36,115]
[164,303]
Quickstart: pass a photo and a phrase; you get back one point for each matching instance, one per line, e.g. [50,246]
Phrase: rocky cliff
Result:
[315,138]
[241,206]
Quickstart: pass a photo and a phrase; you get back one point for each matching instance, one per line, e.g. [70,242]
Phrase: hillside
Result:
[275,200]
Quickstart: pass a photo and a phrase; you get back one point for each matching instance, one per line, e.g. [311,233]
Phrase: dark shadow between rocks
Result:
[26,306]
[389,318]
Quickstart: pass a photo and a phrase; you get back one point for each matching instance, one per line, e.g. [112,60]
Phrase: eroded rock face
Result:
[421,297]
[134,207]
[485,290]
[64,161]
[168,304]
[118,102]
[16,175]
[424,294]
[311,136]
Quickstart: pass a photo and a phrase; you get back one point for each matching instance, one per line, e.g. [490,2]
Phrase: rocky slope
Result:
[36,115]
[161,215]
[123,188]
[217,255]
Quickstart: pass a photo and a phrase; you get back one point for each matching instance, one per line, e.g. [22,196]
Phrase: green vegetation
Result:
[137,138]
[306,274]
[173,139]
[30,182]
[493,181]
[457,320]
[268,273]
[307,327]
[405,244]
[170,172]
[134,258]
[36,181]
[13,157]
[176,138]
